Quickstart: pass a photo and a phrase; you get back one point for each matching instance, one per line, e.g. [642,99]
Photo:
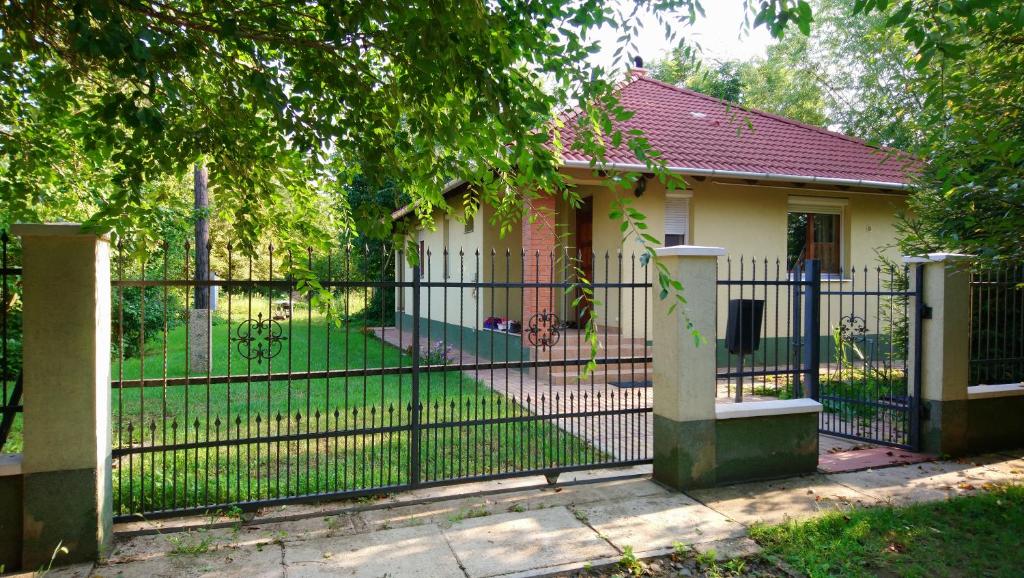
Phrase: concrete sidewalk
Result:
[519,527]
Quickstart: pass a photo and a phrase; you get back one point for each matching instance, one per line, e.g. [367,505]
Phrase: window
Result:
[469,224]
[815,232]
[677,220]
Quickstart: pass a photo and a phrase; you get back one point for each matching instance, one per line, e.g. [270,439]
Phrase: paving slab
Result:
[521,542]
[863,459]
[656,523]
[80,570]
[252,562]
[449,512]
[776,501]
[1010,467]
[729,548]
[917,483]
[420,552]
[146,546]
[830,444]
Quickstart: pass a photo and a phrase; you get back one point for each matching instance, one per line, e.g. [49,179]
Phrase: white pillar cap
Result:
[54,230]
[690,251]
[936,258]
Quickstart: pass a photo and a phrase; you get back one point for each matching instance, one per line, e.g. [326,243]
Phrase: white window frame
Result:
[687,197]
[824,206]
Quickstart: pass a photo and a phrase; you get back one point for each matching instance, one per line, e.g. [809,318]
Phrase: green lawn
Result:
[980,535]
[14,441]
[200,476]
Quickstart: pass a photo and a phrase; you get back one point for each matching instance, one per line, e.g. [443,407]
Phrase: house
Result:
[758,184]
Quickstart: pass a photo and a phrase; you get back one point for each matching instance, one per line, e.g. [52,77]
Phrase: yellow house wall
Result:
[503,265]
[458,307]
[748,221]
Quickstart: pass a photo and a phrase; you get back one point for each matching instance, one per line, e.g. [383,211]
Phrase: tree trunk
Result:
[202,204]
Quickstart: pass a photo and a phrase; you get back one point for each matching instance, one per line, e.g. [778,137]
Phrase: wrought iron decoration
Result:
[852,329]
[543,330]
[259,339]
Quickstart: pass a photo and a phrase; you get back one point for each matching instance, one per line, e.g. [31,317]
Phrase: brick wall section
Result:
[539,237]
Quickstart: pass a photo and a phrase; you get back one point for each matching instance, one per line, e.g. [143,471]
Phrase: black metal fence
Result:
[866,388]
[840,339]
[997,325]
[10,345]
[765,309]
[481,370]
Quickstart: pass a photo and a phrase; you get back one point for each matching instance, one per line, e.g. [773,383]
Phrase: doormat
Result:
[630,384]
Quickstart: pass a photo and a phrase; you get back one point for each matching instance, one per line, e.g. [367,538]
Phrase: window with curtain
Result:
[677,220]
[815,235]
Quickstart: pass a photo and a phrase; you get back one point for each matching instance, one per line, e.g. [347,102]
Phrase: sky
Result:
[719,34]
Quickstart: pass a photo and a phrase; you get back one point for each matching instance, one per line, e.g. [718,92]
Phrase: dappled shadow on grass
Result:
[969,536]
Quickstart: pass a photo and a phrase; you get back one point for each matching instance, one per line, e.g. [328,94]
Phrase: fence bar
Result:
[812,326]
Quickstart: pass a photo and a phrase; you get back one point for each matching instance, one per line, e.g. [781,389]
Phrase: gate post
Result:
[67,453]
[684,370]
[696,442]
[812,328]
[941,326]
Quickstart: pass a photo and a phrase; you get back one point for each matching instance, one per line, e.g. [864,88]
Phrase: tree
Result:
[864,67]
[718,79]
[777,84]
[271,94]
[971,194]
[781,84]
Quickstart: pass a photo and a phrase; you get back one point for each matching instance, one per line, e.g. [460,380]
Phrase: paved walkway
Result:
[621,432]
[519,527]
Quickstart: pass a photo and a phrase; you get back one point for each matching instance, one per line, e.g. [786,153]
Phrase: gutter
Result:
[574,164]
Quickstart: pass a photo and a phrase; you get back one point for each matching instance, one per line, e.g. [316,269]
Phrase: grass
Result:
[850,393]
[14,442]
[968,536]
[377,457]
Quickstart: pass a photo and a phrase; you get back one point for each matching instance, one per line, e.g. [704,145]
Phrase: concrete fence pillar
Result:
[697,441]
[945,350]
[67,452]
[684,370]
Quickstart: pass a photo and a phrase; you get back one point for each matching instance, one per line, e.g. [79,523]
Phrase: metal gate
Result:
[845,339]
[468,366]
[870,362]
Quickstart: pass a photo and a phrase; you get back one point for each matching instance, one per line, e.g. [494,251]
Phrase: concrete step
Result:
[614,347]
[609,373]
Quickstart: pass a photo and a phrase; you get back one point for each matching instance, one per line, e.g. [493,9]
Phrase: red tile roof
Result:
[696,131]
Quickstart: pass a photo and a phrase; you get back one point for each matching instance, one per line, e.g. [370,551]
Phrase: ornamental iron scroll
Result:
[852,329]
[543,330]
[259,339]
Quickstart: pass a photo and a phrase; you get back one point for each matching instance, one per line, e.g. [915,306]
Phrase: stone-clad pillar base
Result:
[684,453]
[200,340]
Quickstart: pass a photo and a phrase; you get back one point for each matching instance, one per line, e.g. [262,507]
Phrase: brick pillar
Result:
[539,238]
